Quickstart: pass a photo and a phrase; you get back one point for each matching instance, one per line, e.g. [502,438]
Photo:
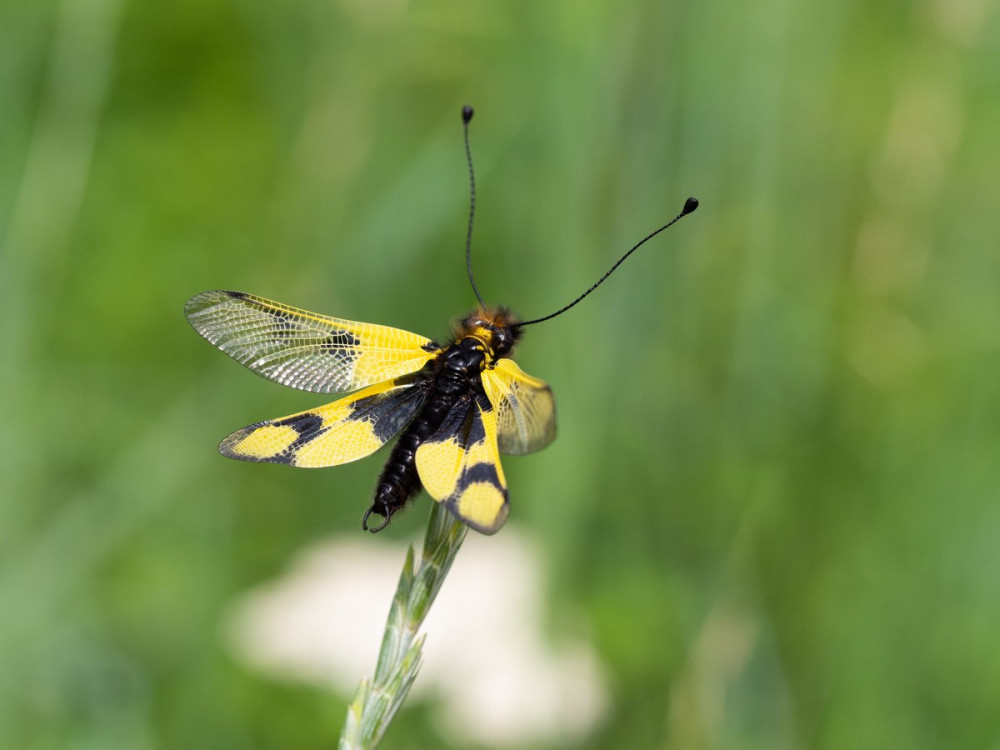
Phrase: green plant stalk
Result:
[377,700]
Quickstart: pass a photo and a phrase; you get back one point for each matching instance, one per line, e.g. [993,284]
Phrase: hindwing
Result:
[302,349]
[334,434]
[459,465]
[525,408]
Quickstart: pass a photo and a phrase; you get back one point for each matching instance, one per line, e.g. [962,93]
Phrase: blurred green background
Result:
[774,501]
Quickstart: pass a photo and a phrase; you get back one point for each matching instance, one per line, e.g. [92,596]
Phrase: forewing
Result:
[334,434]
[525,408]
[304,350]
[459,465]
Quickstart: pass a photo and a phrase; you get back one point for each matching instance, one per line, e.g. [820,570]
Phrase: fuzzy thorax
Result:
[496,328]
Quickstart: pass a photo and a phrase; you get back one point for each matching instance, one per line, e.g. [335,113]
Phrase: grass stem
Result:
[377,700]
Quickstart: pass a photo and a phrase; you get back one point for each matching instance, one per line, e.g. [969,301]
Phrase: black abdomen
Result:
[457,374]
[398,481]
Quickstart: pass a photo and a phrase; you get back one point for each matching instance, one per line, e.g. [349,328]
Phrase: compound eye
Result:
[503,339]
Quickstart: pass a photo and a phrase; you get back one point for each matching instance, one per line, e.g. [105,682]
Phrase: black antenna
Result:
[467,114]
[689,206]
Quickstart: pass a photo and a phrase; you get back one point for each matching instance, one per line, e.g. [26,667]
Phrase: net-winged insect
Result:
[456,407]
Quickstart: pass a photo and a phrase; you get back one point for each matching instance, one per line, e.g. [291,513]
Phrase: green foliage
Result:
[773,501]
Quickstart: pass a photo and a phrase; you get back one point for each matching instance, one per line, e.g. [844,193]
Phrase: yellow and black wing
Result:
[302,349]
[334,434]
[525,408]
[459,465]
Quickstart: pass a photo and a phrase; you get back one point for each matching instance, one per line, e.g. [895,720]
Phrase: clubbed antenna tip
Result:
[468,112]
[689,205]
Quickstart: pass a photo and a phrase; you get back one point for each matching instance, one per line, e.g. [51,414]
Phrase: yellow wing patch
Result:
[262,442]
[302,349]
[334,434]
[525,408]
[459,465]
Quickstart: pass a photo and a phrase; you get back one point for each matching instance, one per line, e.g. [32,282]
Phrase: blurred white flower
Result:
[499,680]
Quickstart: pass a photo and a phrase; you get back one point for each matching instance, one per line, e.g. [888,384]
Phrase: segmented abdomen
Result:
[398,481]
